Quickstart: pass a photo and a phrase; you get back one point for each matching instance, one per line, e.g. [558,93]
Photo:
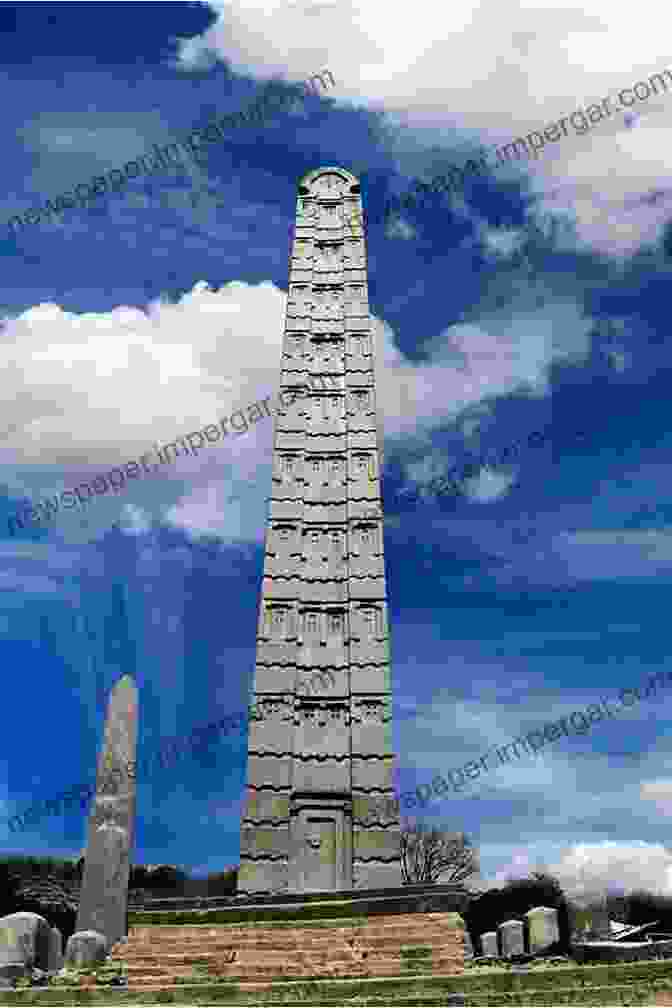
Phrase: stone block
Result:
[373,774]
[370,679]
[372,726]
[374,844]
[264,841]
[266,805]
[468,946]
[333,591]
[55,960]
[271,725]
[269,771]
[85,948]
[543,929]
[511,938]
[327,775]
[262,876]
[322,728]
[371,809]
[489,943]
[25,938]
[376,875]
[367,588]
[275,679]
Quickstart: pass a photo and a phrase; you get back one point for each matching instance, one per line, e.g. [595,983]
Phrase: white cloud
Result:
[594,868]
[486,70]
[489,485]
[89,392]
[660,792]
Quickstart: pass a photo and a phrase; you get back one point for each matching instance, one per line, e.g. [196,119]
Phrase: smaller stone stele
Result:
[25,938]
[543,929]
[85,948]
[512,938]
[55,962]
[489,943]
[104,892]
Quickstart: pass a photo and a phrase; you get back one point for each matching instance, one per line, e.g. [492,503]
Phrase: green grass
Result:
[613,984]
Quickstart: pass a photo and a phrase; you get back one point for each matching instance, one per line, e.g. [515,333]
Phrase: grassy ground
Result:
[647,983]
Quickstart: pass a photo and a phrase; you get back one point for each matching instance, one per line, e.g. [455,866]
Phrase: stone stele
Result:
[543,928]
[489,943]
[85,948]
[104,894]
[55,951]
[320,814]
[25,938]
[512,938]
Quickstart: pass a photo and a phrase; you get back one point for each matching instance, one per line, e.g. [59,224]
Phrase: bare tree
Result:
[427,854]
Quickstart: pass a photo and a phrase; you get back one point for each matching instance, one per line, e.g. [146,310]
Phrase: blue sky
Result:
[535,300]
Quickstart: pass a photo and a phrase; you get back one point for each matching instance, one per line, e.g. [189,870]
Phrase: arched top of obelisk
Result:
[327,181]
[125,682]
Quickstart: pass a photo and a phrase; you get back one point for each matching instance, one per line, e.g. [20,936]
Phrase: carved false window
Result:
[312,626]
[303,251]
[372,623]
[277,623]
[359,343]
[299,300]
[335,539]
[355,300]
[336,624]
[328,257]
[328,408]
[313,542]
[329,215]
[288,467]
[353,254]
[363,466]
[283,540]
[360,401]
[366,539]
[294,344]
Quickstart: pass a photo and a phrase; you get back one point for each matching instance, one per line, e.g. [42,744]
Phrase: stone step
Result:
[205,952]
[290,938]
[438,964]
[374,927]
[401,938]
[249,956]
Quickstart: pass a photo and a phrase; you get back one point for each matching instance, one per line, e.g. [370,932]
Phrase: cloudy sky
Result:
[522,347]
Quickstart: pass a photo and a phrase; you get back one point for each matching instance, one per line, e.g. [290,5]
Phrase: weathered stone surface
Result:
[543,929]
[323,604]
[55,959]
[25,938]
[511,938]
[489,943]
[104,892]
[468,946]
[85,948]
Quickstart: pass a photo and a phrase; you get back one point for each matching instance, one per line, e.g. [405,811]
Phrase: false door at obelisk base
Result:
[320,812]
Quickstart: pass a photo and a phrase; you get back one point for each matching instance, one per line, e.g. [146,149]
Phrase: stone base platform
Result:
[373,933]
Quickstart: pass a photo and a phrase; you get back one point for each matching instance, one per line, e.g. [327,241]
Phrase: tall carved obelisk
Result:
[320,812]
